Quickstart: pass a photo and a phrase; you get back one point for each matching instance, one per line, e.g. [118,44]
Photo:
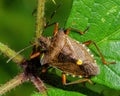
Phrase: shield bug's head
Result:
[44,42]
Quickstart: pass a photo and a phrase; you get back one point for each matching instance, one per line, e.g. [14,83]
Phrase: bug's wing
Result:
[68,68]
[76,50]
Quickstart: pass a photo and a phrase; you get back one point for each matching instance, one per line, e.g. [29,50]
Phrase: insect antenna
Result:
[19,52]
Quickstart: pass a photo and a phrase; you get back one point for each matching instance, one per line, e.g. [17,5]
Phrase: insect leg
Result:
[74,82]
[35,55]
[100,53]
[80,81]
[55,28]
[76,30]
[63,78]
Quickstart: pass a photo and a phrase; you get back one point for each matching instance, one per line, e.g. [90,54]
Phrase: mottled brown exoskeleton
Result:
[70,56]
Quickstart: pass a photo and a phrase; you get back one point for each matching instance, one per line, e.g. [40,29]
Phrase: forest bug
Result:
[70,56]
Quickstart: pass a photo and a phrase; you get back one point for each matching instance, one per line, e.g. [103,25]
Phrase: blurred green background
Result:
[17,29]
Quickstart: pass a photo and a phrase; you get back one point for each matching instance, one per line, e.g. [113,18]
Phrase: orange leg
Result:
[73,29]
[80,81]
[56,29]
[35,55]
[102,57]
[74,82]
[63,79]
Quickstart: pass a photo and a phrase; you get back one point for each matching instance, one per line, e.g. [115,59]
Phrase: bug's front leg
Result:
[100,53]
[67,31]
[35,55]
[55,28]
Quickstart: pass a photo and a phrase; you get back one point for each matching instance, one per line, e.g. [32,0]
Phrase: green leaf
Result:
[58,92]
[103,17]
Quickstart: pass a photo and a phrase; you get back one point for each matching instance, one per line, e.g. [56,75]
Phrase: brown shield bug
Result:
[70,56]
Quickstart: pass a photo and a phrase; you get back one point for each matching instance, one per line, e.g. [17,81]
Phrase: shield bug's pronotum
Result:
[69,55]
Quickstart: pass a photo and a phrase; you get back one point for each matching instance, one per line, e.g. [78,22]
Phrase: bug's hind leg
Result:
[80,81]
[74,82]
[100,53]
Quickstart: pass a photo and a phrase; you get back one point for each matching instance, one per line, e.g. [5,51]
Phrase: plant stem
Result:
[40,19]
[17,58]
[39,85]
[19,79]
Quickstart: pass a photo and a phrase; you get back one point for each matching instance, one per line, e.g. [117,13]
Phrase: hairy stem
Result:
[19,79]
[40,19]
[39,85]
[10,53]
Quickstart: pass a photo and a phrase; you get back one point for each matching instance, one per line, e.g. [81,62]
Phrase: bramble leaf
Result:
[103,17]
[59,92]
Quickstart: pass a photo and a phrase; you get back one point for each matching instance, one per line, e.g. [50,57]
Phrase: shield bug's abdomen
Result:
[80,57]
[68,66]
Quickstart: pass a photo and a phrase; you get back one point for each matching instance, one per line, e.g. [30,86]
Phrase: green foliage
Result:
[54,1]
[59,92]
[102,16]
